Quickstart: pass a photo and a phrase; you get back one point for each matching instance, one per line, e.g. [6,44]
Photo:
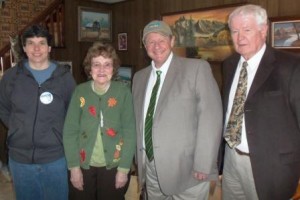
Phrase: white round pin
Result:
[46,98]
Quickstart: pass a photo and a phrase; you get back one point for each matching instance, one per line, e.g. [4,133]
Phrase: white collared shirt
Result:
[151,82]
[252,67]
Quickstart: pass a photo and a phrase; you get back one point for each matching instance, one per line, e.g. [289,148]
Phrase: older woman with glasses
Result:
[99,132]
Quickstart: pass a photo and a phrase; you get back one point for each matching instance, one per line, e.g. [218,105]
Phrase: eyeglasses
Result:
[152,43]
[105,66]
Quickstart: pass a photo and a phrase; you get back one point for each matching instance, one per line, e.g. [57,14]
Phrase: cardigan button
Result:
[105,151]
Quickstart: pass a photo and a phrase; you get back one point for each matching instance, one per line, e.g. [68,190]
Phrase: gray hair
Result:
[259,13]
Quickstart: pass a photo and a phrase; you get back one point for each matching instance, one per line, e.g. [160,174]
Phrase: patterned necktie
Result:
[149,119]
[234,126]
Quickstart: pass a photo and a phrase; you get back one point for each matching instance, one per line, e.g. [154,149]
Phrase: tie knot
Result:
[158,72]
[245,64]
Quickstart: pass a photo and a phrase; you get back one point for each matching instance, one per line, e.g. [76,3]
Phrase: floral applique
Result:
[92,110]
[111,132]
[111,102]
[82,155]
[116,154]
[82,102]
[118,151]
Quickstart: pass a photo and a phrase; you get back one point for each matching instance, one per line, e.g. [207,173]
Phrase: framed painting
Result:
[202,33]
[68,64]
[122,41]
[94,24]
[2,67]
[285,32]
[124,74]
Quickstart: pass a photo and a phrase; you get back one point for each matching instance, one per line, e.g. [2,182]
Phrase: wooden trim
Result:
[37,20]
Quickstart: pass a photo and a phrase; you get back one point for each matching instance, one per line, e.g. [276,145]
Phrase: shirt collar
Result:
[164,68]
[254,60]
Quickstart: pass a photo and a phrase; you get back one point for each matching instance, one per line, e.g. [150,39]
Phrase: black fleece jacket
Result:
[34,114]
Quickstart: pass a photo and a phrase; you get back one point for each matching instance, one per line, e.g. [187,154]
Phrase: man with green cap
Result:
[178,120]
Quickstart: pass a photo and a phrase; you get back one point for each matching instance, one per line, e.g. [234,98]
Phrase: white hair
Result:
[259,13]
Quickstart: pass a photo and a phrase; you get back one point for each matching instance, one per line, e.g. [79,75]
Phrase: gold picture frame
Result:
[202,33]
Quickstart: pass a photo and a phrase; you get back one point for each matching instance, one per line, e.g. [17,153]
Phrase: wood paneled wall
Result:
[131,16]
[74,50]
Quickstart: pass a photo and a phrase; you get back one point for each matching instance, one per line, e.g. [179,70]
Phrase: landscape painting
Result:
[286,34]
[124,74]
[94,24]
[202,34]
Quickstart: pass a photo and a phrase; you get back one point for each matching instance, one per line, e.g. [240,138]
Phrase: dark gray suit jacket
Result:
[186,126]
[272,119]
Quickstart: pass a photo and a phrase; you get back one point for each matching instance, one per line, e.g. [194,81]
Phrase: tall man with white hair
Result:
[262,113]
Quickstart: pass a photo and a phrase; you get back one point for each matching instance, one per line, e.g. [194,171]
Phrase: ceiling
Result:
[109,1]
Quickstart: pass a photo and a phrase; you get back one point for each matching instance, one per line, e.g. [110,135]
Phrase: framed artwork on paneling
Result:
[202,33]
[285,33]
[2,67]
[68,64]
[94,24]
[124,74]
[122,41]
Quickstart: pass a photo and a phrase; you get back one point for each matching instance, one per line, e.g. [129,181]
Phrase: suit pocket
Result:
[273,93]
[289,158]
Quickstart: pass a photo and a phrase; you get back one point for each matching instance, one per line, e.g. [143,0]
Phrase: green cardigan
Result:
[117,126]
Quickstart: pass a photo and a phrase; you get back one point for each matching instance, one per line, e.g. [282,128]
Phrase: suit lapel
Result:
[265,67]
[167,85]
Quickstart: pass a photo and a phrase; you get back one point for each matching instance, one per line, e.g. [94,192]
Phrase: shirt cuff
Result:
[123,170]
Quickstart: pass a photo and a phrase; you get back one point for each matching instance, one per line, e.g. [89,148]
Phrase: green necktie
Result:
[234,126]
[149,118]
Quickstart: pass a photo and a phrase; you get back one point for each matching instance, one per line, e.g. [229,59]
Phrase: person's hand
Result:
[200,176]
[76,178]
[121,179]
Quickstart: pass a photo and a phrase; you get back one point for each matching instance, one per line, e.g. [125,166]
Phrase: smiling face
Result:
[248,37]
[101,71]
[158,47]
[37,51]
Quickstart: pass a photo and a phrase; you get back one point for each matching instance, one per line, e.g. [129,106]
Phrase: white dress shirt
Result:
[252,67]
[151,82]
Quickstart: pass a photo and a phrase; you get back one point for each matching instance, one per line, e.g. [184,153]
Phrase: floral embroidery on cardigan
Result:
[82,155]
[111,102]
[82,102]
[111,132]
[118,151]
[92,110]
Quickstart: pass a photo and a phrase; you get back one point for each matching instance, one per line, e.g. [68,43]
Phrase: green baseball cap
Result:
[157,27]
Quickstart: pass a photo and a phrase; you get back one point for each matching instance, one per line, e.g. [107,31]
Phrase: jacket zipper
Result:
[34,123]
[36,113]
